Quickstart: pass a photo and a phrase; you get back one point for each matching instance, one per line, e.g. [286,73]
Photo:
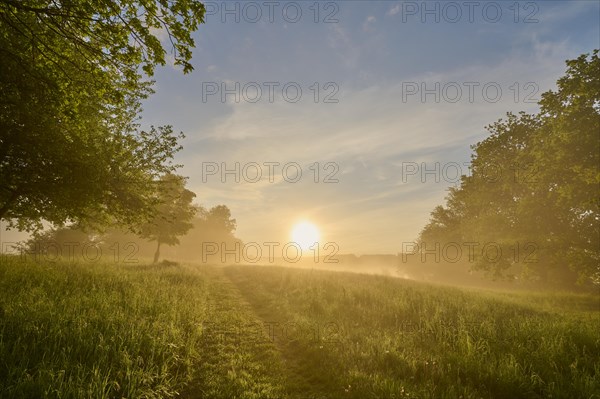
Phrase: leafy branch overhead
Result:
[120,34]
[71,86]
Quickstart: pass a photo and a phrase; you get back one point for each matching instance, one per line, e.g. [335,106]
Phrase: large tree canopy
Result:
[534,183]
[72,77]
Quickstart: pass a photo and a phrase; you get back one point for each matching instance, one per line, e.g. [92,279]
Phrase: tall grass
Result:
[106,330]
[70,330]
[395,338]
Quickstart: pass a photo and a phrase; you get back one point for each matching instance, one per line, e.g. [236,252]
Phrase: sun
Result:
[305,234]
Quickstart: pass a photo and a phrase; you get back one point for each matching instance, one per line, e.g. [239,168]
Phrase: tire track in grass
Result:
[308,372]
[235,360]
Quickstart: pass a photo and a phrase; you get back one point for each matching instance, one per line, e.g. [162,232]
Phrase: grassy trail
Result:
[300,344]
[237,359]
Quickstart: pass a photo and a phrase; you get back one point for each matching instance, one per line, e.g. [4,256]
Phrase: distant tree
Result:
[534,182]
[173,215]
[218,221]
[214,225]
[66,241]
[71,86]
[210,226]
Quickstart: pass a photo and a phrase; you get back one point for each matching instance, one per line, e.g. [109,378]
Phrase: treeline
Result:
[214,225]
[531,198]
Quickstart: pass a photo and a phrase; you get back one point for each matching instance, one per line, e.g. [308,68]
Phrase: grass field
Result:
[154,331]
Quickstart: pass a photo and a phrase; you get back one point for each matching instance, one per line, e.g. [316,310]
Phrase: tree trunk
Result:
[157,253]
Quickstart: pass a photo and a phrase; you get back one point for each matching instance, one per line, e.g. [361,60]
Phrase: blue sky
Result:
[369,53]
[372,56]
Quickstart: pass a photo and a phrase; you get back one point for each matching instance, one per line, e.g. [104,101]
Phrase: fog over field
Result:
[299,199]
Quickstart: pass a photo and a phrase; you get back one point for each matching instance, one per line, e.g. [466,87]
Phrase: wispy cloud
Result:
[369,22]
[395,9]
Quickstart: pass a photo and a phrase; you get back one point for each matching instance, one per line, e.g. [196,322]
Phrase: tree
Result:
[71,149]
[174,213]
[111,37]
[63,242]
[218,222]
[214,225]
[534,182]
[567,150]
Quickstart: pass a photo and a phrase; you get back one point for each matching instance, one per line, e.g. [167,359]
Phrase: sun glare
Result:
[305,234]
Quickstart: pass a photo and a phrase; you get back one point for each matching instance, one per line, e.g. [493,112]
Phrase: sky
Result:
[375,103]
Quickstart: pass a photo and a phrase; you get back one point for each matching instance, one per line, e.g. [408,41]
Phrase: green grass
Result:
[396,338]
[108,330]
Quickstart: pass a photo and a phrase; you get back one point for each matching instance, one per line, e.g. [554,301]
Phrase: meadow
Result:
[107,330]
